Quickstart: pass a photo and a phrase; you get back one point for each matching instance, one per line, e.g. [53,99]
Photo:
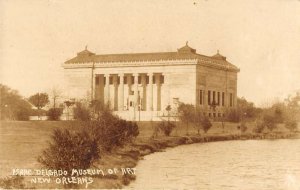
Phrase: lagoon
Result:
[227,165]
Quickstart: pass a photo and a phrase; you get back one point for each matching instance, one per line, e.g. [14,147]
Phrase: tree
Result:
[39,100]
[186,114]
[54,114]
[293,106]
[279,112]
[12,105]
[291,125]
[269,121]
[55,93]
[206,124]
[245,110]
[201,121]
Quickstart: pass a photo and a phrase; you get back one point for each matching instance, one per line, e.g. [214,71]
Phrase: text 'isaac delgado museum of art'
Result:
[139,86]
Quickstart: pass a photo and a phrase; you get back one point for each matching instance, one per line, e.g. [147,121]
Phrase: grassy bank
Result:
[22,142]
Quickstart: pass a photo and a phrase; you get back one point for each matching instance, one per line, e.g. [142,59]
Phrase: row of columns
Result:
[135,87]
[224,100]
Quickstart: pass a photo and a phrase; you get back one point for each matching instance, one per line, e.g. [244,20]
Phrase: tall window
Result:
[125,79]
[208,97]
[139,79]
[214,97]
[223,98]
[201,97]
[231,100]
[218,98]
[110,80]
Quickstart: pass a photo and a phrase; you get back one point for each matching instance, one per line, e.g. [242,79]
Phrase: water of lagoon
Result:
[228,165]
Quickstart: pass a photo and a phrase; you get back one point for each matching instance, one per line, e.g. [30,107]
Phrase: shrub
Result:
[269,121]
[111,131]
[132,130]
[12,105]
[259,127]
[186,113]
[291,125]
[23,114]
[54,114]
[70,150]
[243,127]
[81,113]
[166,127]
[206,124]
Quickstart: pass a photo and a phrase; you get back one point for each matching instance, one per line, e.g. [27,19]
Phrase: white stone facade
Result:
[141,86]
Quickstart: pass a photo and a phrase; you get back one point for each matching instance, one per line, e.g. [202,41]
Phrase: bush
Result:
[81,113]
[259,127]
[12,105]
[166,127]
[23,114]
[111,131]
[291,125]
[54,114]
[206,124]
[70,150]
[269,121]
[243,127]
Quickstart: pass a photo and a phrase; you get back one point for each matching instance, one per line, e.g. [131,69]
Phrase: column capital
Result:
[135,74]
[150,74]
[121,74]
[106,75]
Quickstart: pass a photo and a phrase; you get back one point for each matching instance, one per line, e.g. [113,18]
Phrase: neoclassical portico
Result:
[129,91]
[142,85]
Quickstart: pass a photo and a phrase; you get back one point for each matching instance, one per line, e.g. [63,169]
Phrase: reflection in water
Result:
[251,164]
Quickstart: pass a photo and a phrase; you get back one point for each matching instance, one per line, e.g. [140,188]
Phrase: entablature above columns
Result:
[130,64]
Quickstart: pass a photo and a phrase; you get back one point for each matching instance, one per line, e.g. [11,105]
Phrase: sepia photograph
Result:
[162,94]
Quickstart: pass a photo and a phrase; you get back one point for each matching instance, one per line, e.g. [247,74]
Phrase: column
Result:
[158,96]
[144,85]
[107,89]
[121,93]
[150,105]
[116,93]
[136,103]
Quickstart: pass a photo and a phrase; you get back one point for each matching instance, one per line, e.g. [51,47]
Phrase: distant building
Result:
[139,86]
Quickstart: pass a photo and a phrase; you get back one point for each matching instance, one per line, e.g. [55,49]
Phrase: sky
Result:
[261,37]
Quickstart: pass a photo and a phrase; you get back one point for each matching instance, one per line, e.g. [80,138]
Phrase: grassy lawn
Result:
[21,142]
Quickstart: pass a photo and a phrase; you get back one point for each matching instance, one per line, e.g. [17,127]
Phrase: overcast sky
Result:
[261,37]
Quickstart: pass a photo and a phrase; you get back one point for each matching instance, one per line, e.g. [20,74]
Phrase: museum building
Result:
[140,86]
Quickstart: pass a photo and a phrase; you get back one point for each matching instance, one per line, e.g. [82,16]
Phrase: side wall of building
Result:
[215,86]
[78,83]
